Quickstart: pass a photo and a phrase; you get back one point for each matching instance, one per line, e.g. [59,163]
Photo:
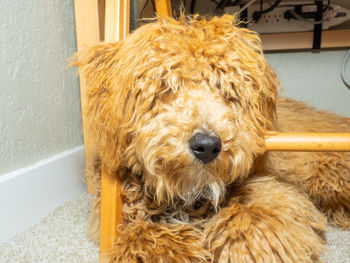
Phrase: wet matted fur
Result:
[172,79]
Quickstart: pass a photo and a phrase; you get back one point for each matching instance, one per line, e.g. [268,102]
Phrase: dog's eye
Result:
[218,86]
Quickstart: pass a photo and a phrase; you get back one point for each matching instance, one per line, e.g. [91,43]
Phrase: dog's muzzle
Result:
[205,147]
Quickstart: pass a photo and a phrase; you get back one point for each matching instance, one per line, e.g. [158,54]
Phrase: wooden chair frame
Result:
[108,20]
[97,21]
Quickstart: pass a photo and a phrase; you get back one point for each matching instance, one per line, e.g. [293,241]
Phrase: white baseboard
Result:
[29,194]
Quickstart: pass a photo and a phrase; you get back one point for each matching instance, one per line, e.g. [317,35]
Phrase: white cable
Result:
[246,6]
[343,66]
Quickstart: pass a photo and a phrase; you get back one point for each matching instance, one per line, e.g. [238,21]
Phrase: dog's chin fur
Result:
[188,179]
[188,184]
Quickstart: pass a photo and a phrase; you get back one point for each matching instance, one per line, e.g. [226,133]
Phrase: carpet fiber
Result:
[61,237]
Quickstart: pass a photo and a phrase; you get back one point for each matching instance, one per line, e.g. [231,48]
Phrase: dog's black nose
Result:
[205,147]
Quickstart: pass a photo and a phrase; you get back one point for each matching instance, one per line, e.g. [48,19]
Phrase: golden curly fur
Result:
[172,79]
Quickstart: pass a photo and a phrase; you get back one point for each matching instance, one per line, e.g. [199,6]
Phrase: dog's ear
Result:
[102,97]
[262,80]
[245,69]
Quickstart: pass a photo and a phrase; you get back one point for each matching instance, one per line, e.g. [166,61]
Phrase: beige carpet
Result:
[61,237]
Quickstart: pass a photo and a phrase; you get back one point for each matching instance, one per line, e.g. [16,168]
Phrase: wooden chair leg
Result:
[111,209]
[88,27]
[163,7]
[116,28]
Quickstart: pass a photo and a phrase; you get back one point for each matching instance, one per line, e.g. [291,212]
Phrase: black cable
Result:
[234,3]
[221,5]
[143,8]
[257,14]
[193,3]
[326,6]
[272,7]
[224,3]
[290,14]
[145,5]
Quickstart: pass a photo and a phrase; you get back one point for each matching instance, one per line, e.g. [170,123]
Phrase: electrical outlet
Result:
[277,18]
[271,18]
[276,21]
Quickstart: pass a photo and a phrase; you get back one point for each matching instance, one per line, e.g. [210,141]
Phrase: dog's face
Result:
[185,104]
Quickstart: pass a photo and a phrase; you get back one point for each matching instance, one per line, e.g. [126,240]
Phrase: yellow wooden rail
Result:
[308,142]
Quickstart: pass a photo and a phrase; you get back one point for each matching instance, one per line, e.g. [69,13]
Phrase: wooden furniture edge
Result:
[304,40]
[111,209]
[163,7]
[308,142]
[116,28]
[87,29]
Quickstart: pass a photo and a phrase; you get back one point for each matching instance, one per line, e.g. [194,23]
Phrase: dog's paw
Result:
[144,242]
[329,188]
[273,224]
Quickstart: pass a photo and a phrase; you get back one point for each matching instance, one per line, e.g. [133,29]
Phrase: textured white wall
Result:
[314,78]
[39,99]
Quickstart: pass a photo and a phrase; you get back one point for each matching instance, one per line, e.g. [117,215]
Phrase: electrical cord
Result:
[144,6]
[193,4]
[292,12]
[246,6]
[224,3]
[257,14]
[343,66]
[272,7]
[325,8]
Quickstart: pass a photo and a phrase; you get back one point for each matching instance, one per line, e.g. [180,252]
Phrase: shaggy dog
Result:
[179,111]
